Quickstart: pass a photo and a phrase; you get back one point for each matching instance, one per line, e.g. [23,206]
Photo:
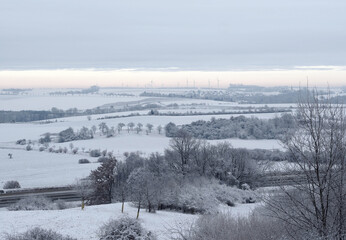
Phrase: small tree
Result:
[103,128]
[149,127]
[130,126]
[142,188]
[139,127]
[159,129]
[84,189]
[120,127]
[94,128]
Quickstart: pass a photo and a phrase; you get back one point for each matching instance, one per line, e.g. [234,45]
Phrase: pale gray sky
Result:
[207,35]
[189,34]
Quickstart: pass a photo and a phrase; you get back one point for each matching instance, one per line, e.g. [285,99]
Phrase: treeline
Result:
[245,96]
[237,127]
[30,115]
[90,90]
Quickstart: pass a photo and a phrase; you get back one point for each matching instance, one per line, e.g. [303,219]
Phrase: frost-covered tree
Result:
[180,155]
[159,129]
[120,127]
[130,126]
[94,128]
[149,127]
[139,127]
[103,128]
[84,133]
[143,188]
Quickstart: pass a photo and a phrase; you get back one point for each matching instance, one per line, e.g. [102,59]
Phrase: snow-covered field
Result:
[13,131]
[17,103]
[42,169]
[84,225]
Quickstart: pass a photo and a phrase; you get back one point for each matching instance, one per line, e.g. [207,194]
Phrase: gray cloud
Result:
[194,34]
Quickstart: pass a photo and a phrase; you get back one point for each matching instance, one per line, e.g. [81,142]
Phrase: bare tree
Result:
[159,129]
[139,127]
[182,148]
[316,206]
[130,126]
[120,127]
[84,189]
[149,127]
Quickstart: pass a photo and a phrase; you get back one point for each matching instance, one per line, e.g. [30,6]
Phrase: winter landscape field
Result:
[53,163]
[172,120]
[62,151]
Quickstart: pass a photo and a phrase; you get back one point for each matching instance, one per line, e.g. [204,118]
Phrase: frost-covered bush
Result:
[28,147]
[41,149]
[11,185]
[124,228]
[224,226]
[33,203]
[38,234]
[95,153]
[204,196]
[83,161]
[75,150]
[60,204]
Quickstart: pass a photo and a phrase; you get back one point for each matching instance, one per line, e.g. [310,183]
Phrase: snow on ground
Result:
[84,225]
[157,143]
[14,131]
[20,102]
[42,169]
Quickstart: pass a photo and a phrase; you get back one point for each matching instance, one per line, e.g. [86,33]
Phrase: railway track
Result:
[67,194]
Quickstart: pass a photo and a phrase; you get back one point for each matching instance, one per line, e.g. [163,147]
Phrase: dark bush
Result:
[21,142]
[11,185]
[83,161]
[95,153]
[75,150]
[28,147]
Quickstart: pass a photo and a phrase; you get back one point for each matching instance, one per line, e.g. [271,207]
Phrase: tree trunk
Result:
[139,207]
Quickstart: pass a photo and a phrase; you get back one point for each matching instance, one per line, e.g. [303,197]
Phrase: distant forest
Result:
[237,127]
[250,96]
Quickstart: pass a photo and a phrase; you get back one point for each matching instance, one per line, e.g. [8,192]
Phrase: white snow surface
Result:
[85,224]
[18,102]
[42,169]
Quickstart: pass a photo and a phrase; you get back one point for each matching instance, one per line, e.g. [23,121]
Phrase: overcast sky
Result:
[208,35]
